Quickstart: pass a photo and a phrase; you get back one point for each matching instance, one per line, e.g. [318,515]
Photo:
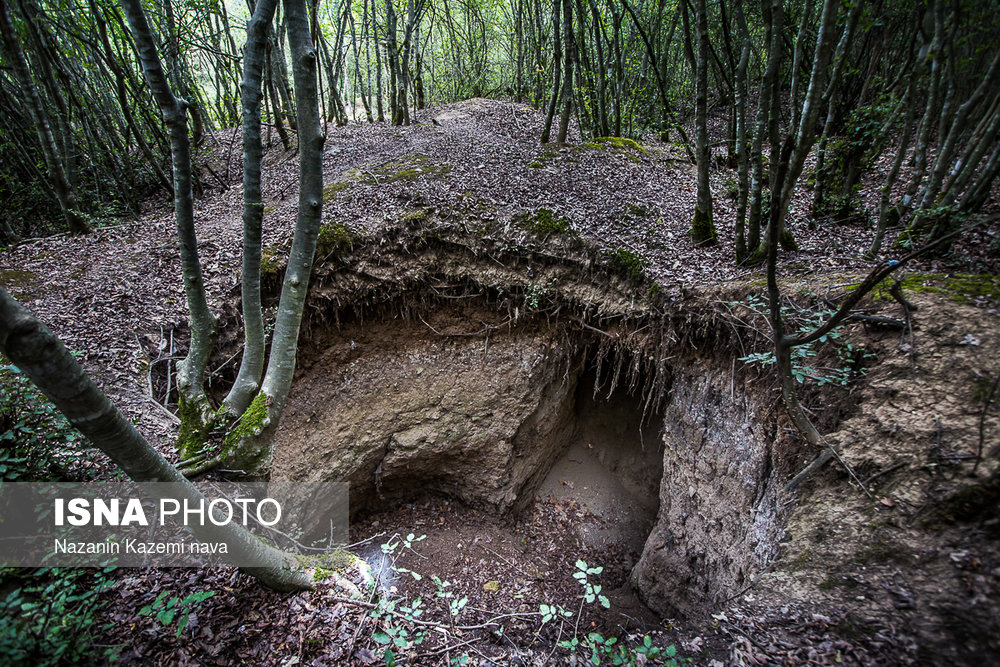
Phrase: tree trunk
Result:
[253,453]
[570,51]
[252,364]
[742,157]
[702,229]
[193,405]
[556,73]
[47,363]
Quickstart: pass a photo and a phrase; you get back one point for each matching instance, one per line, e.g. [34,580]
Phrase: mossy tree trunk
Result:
[193,405]
[47,363]
[248,447]
[252,364]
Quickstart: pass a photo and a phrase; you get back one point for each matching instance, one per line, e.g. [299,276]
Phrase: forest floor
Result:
[892,581]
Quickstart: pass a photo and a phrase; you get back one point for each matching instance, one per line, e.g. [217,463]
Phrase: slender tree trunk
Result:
[193,404]
[556,73]
[885,218]
[773,22]
[570,51]
[254,454]
[252,364]
[742,157]
[702,229]
[797,57]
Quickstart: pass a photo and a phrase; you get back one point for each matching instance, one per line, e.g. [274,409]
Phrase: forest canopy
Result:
[909,86]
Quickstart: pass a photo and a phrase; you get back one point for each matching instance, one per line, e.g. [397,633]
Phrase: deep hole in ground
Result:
[479,426]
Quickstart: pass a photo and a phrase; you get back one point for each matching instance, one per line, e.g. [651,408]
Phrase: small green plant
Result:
[591,591]
[37,443]
[535,293]
[50,614]
[167,610]
[847,354]
[598,648]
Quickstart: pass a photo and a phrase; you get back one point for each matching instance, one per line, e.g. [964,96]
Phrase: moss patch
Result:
[547,155]
[414,218]
[628,263]
[330,191]
[702,229]
[543,222]
[962,288]
[250,424]
[619,143]
[410,169]
[334,238]
[271,262]
[16,281]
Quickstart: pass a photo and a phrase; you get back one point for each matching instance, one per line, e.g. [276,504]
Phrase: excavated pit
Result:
[459,402]
[555,401]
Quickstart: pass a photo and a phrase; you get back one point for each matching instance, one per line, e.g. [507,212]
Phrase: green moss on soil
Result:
[334,238]
[637,210]
[628,263]
[330,191]
[414,218]
[543,222]
[962,288]
[270,262]
[410,168]
[620,143]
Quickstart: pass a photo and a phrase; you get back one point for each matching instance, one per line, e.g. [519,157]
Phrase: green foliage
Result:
[535,293]
[591,591]
[49,615]
[597,648]
[847,354]
[169,609]
[37,443]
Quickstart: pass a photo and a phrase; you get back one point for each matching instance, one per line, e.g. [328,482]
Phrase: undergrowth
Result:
[847,358]
[400,626]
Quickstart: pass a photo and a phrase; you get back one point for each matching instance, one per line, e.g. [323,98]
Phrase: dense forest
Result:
[745,227]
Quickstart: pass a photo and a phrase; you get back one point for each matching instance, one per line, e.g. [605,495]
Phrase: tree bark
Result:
[556,73]
[252,364]
[254,454]
[702,229]
[47,363]
[570,52]
[193,404]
